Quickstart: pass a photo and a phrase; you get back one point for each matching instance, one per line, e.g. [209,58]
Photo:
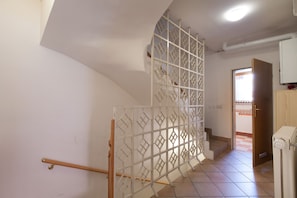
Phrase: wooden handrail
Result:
[110,172]
[87,168]
[71,165]
[111,161]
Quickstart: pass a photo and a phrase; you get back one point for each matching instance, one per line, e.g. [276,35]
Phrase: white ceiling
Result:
[268,18]
[111,36]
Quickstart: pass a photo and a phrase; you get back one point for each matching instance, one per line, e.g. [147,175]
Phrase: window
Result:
[244,85]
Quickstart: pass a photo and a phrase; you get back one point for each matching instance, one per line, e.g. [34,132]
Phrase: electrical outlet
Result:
[262,155]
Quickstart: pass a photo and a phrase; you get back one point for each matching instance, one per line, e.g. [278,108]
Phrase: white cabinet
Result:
[288,61]
[286,108]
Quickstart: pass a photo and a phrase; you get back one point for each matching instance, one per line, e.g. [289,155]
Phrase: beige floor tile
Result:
[251,189]
[167,191]
[242,167]
[207,189]
[199,177]
[185,189]
[218,177]
[226,168]
[209,168]
[230,189]
[256,177]
[231,175]
[237,177]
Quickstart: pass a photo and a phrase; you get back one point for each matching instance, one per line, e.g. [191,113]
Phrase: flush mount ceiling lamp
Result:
[237,13]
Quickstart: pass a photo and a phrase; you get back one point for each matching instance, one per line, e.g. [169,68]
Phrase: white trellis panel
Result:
[151,142]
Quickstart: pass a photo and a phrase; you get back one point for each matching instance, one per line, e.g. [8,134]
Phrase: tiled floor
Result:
[243,143]
[231,175]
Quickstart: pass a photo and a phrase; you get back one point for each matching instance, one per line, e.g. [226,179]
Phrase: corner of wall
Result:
[46,8]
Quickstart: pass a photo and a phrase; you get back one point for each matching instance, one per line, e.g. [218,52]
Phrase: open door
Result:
[262,112]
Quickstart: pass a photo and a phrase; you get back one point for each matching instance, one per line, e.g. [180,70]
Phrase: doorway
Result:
[242,109]
[261,110]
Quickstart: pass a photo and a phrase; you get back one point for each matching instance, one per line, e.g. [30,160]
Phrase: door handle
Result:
[255,109]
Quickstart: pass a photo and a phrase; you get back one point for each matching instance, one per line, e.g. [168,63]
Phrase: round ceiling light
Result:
[237,13]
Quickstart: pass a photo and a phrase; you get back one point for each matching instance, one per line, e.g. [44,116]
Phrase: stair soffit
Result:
[104,35]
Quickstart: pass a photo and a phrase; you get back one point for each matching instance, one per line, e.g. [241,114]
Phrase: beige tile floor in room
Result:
[244,143]
[230,175]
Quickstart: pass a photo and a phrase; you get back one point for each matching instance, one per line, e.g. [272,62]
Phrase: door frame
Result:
[233,141]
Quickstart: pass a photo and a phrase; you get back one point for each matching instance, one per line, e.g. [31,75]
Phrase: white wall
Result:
[50,106]
[218,84]
[243,118]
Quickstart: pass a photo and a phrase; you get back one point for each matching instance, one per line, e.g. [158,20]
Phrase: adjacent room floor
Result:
[230,175]
[244,143]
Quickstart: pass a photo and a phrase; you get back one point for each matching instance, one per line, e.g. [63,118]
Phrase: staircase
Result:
[213,145]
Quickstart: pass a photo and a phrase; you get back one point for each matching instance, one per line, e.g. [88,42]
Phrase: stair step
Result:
[218,146]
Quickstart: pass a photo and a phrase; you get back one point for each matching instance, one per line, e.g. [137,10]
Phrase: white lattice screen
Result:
[151,142]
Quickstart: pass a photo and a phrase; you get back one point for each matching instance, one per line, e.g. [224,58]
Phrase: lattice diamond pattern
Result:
[193,97]
[158,72]
[173,55]
[125,185]
[184,96]
[124,153]
[124,123]
[183,117]
[143,173]
[193,149]
[184,40]
[172,159]
[160,165]
[173,34]
[143,147]
[184,153]
[173,117]
[161,28]
[193,63]
[200,82]
[200,98]
[200,67]
[193,80]
[200,51]
[173,137]
[200,147]
[160,95]
[193,114]
[143,120]
[184,135]
[160,49]
[184,78]
[173,73]
[184,59]
[193,46]
[159,142]
[173,95]
[200,113]
[159,118]
[193,131]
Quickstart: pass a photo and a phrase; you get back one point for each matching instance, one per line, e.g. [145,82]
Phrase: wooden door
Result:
[262,112]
